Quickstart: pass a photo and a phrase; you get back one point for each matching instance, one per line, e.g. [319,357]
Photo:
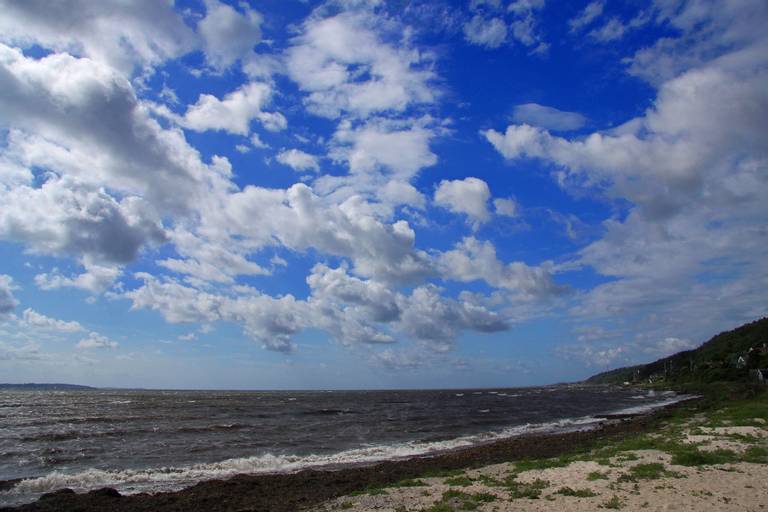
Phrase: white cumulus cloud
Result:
[490,32]
[34,319]
[96,341]
[298,160]
[7,301]
[235,111]
[468,196]
[548,117]
[345,65]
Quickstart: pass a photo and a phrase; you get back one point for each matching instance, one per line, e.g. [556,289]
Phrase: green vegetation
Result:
[692,456]
[374,490]
[443,473]
[578,493]
[614,504]
[371,491]
[484,497]
[453,501]
[742,413]
[531,491]
[728,402]
[462,480]
[529,464]
[650,471]
[409,483]
[516,489]
[756,455]
[490,481]
[440,507]
[668,437]
[706,369]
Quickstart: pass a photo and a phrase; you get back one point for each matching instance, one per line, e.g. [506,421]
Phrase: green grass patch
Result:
[409,483]
[756,455]
[624,447]
[439,507]
[484,497]
[666,436]
[453,493]
[462,481]
[454,500]
[578,493]
[489,481]
[371,491]
[692,456]
[531,490]
[517,490]
[538,464]
[442,473]
[744,438]
[650,471]
[752,412]
[613,504]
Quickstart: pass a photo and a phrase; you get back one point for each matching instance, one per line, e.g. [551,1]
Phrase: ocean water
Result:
[140,440]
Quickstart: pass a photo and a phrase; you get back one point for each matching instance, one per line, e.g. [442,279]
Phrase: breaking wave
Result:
[131,481]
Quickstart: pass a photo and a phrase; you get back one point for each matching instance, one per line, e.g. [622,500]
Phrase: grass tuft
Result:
[692,456]
[371,491]
[613,504]
[650,471]
[462,481]
[409,483]
[597,475]
[538,464]
[578,493]
[531,491]
[454,500]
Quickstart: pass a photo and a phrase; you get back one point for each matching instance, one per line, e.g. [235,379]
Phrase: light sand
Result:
[739,486]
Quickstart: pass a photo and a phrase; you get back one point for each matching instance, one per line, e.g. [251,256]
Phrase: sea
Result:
[149,441]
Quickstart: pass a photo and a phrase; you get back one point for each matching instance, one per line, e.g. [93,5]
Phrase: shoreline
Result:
[711,457]
[288,492]
[153,480]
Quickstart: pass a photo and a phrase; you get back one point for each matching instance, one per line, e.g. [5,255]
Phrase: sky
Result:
[289,194]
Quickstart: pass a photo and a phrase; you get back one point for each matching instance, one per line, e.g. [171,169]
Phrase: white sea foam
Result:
[131,481]
[655,405]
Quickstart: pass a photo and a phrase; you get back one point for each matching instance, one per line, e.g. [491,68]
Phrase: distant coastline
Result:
[45,387]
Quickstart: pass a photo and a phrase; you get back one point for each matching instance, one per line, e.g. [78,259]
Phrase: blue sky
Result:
[369,194]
